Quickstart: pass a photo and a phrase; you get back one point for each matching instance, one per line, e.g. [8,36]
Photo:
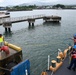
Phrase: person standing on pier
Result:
[73,59]
[74,39]
[1,40]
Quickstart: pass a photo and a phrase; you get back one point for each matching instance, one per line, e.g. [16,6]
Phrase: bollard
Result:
[58,59]
[53,63]
[61,55]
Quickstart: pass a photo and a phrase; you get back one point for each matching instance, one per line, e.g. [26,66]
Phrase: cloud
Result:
[50,0]
[1,1]
[17,2]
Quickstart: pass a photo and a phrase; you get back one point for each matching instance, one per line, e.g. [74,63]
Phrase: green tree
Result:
[59,6]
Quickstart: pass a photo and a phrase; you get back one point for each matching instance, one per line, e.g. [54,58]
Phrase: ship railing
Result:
[5,69]
[2,70]
[50,57]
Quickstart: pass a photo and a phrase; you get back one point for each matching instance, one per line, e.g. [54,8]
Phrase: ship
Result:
[4,14]
[12,63]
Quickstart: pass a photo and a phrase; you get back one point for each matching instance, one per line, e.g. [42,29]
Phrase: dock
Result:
[7,21]
[60,64]
[63,69]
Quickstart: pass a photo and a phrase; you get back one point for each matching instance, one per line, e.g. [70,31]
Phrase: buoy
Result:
[5,49]
[5,43]
[14,47]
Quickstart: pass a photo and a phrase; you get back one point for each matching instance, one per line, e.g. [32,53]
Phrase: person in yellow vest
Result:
[1,40]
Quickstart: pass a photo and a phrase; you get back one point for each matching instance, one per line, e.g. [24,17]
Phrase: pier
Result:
[7,21]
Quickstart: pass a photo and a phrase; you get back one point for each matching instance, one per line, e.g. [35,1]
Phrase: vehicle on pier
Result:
[12,63]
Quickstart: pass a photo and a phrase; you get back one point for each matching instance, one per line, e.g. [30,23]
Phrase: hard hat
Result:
[74,35]
[74,46]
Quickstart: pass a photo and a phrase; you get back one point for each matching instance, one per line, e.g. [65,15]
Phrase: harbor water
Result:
[44,38]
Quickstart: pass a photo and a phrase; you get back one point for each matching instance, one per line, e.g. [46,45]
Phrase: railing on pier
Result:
[7,22]
[29,18]
[19,19]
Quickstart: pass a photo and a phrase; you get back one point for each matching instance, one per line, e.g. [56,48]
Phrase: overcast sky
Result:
[16,2]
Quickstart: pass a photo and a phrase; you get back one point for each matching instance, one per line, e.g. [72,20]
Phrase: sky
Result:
[16,2]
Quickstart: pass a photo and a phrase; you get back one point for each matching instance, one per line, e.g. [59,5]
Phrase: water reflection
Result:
[31,27]
[7,34]
[52,23]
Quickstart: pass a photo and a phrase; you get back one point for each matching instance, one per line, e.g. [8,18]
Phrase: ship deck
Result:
[3,55]
[63,69]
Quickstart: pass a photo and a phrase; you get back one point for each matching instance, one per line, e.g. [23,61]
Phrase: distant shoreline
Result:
[37,9]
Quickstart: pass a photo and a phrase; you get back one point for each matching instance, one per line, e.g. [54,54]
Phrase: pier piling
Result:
[31,22]
[7,27]
[7,21]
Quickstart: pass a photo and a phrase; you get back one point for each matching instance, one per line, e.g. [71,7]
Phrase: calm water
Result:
[43,39]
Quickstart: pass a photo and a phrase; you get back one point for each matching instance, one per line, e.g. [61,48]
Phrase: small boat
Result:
[11,63]
[59,66]
[4,12]
[7,13]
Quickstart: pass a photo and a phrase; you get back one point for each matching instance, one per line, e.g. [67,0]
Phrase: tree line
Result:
[31,7]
